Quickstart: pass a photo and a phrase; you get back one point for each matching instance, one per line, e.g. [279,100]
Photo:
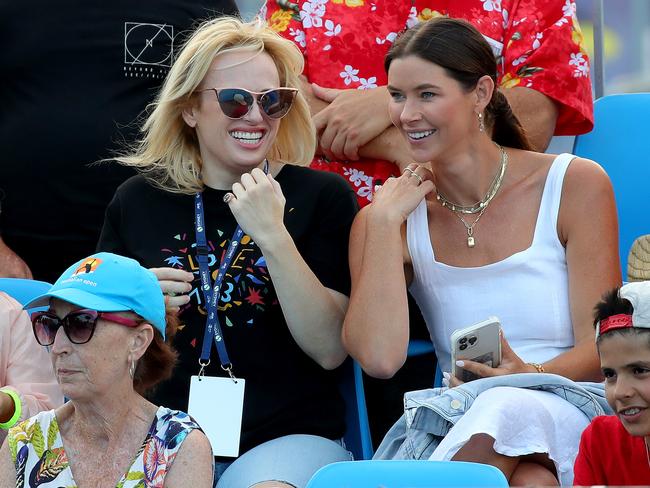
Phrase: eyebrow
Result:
[419,87]
[636,364]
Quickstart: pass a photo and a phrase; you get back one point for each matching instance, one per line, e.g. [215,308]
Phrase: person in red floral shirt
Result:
[543,71]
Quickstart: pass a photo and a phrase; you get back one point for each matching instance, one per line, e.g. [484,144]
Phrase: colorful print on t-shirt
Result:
[247,286]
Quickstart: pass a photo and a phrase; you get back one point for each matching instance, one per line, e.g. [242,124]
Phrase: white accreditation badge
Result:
[217,404]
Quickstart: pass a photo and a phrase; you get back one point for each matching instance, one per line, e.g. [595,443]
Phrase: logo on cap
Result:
[87,266]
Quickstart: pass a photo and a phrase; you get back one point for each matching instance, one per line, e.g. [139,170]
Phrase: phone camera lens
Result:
[462,347]
[463,340]
[472,340]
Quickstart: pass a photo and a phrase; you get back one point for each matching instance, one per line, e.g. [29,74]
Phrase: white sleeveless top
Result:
[528,291]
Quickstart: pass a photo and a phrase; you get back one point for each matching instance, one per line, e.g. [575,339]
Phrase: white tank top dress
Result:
[529,293]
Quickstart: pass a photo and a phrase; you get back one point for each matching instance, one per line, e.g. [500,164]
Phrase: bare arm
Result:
[11,265]
[587,223]
[193,465]
[7,468]
[391,146]
[536,112]
[27,367]
[314,313]
[376,326]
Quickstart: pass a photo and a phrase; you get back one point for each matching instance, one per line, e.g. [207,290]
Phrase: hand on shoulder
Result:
[398,197]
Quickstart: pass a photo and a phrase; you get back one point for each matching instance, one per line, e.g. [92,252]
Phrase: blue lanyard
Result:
[211,294]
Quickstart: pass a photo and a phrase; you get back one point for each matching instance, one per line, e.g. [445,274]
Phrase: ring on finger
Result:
[418,177]
[413,173]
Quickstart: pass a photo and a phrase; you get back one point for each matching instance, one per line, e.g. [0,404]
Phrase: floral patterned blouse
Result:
[39,456]
[538,44]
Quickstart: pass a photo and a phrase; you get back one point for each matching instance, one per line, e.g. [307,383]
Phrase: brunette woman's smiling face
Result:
[432,110]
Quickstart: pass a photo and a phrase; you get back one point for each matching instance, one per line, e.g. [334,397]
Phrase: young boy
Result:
[614,449]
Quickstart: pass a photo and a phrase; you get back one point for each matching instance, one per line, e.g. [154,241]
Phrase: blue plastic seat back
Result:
[407,474]
[23,290]
[357,437]
[621,145]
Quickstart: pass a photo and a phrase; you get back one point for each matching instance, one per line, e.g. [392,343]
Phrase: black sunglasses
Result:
[235,103]
[78,325]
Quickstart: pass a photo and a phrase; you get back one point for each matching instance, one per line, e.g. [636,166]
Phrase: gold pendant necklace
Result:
[471,242]
[479,207]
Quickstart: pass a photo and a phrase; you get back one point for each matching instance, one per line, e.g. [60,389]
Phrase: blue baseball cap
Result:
[108,282]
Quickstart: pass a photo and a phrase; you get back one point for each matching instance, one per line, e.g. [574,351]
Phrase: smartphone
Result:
[480,343]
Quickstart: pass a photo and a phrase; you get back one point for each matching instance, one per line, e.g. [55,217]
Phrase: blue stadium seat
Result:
[23,290]
[357,436]
[621,145]
[407,474]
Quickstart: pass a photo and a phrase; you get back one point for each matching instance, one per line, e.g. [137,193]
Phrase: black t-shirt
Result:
[74,75]
[286,391]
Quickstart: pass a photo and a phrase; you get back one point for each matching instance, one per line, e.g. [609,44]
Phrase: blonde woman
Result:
[222,148]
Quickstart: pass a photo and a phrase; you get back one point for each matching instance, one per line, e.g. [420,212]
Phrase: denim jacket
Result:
[430,414]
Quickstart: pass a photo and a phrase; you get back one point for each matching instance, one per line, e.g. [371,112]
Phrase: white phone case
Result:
[480,343]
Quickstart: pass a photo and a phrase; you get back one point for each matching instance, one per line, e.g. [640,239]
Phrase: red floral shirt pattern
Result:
[538,44]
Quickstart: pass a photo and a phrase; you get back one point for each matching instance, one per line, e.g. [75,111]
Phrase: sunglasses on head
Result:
[78,325]
[235,103]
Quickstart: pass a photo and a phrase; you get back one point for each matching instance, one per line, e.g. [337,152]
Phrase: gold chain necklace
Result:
[481,204]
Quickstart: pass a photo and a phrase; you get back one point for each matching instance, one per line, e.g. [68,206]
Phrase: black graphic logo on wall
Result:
[148,49]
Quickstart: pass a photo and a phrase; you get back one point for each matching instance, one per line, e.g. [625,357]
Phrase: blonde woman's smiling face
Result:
[234,146]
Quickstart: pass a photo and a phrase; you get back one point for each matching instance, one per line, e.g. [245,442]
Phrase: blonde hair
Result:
[168,152]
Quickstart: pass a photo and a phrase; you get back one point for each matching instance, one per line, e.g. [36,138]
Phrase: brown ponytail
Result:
[506,128]
[461,50]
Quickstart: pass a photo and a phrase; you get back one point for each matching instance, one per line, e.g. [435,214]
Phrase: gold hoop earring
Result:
[481,123]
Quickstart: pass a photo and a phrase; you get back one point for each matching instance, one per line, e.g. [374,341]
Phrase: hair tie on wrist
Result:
[18,409]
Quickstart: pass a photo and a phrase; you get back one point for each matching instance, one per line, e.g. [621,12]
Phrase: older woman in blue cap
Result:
[111,348]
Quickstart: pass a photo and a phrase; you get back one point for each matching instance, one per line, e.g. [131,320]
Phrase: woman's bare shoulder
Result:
[193,463]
